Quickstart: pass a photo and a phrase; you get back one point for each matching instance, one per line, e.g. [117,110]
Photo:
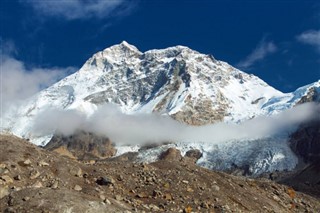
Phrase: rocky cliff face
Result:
[306,142]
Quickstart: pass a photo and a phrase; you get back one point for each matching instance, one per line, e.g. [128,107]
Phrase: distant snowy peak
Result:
[176,81]
[191,87]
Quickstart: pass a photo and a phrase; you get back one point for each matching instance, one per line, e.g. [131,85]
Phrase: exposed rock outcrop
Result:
[82,145]
[305,142]
[171,154]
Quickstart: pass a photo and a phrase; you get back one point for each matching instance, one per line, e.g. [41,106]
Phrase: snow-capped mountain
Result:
[190,87]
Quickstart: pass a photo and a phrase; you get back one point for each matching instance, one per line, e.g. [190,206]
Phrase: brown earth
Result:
[36,180]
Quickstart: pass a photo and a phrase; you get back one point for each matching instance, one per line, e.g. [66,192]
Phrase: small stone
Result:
[107,201]
[17,189]
[185,181]
[142,195]
[4,191]
[104,181]
[226,207]
[166,185]
[76,171]
[27,162]
[154,207]
[26,198]
[120,178]
[167,196]
[77,188]
[6,179]
[156,193]
[146,206]
[189,189]
[55,185]
[276,198]
[204,205]
[17,177]
[34,174]
[3,168]
[216,187]
[43,163]
[187,209]
[102,197]
[11,201]
[37,184]
[162,206]
[9,210]
[118,197]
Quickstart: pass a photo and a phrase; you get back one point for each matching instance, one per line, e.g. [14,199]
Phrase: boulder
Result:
[83,145]
[171,154]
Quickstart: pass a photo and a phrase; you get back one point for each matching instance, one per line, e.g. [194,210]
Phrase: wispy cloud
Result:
[311,37]
[18,83]
[152,128]
[8,47]
[82,9]
[263,49]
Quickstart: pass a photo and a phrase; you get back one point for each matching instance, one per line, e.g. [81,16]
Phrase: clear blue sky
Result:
[277,40]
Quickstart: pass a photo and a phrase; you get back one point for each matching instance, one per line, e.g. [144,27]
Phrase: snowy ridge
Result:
[179,82]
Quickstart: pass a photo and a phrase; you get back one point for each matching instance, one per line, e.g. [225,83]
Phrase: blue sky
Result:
[277,40]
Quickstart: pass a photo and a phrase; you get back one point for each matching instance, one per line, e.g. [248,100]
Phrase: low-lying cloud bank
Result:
[135,129]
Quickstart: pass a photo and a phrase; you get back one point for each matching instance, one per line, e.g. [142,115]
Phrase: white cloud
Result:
[311,37]
[263,49]
[19,83]
[82,9]
[152,128]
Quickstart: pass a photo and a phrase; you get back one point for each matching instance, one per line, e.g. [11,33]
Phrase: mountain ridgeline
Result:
[177,82]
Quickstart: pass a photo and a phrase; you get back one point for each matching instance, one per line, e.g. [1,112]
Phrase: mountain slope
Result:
[191,87]
[36,180]
[177,81]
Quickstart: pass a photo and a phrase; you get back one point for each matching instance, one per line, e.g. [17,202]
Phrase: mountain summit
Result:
[192,88]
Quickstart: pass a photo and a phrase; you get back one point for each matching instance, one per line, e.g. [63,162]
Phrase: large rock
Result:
[172,154]
[83,145]
[193,155]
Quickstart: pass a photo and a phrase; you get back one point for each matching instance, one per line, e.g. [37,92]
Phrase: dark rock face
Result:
[312,96]
[305,142]
[83,145]
[194,153]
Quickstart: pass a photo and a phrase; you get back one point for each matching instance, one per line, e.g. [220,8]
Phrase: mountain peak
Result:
[127,45]
[122,48]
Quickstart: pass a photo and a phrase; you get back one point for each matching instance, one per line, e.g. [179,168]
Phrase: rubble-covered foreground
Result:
[36,180]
